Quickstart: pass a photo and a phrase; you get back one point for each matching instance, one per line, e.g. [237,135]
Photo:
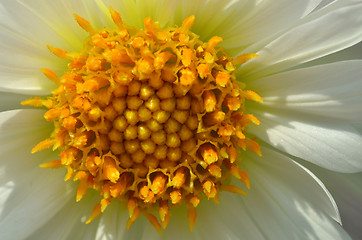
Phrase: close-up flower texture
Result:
[180,119]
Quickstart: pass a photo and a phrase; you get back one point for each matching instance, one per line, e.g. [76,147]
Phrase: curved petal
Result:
[332,90]
[25,31]
[32,195]
[284,202]
[323,141]
[347,191]
[265,20]
[335,27]
[69,222]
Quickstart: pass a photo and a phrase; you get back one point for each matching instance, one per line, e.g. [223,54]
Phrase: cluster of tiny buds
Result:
[151,118]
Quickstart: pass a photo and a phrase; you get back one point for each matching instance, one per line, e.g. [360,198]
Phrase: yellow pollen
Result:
[153,118]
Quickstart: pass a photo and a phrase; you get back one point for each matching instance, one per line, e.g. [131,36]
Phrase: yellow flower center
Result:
[152,118]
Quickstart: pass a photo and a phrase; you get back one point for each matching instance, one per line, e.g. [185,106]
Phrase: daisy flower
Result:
[180,119]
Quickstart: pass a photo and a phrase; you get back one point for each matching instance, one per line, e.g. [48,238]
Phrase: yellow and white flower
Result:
[310,120]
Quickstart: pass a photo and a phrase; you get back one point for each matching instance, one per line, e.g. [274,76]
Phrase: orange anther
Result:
[145,66]
[161,59]
[203,70]
[194,201]
[226,131]
[115,56]
[209,189]
[188,77]
[188,22]
[96,212]
[244,58]
[132,206]
[240,174]
[47,143]
[69,174]
[34,102]
[191,216]
[232,103]
[253,146]
[94,84]
[52,114]
[248,118]
[116,17]
[214,118]
[69,122]
[209,101]
[208,153]
[84,24]
[213,42]
[222,79]
[59,52]
[52,164]
[110,170]
[175,196]
[250,95]
[187,56]
[93,163]
[98,209]
[133,218]
[50,74]
[82,189]
[95,64]
[164,212]
[233,189]
[146,194]
[159,183]
[214,170]
[150,26]
[153,220]
[68,156]
[179,178]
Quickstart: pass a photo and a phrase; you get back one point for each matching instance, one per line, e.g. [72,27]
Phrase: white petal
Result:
[69,222]
[10,101]
[323,141]
[25,31]
[33,195]
[331,90]
[284,202]
[263,21]
[347,191]
[335,27]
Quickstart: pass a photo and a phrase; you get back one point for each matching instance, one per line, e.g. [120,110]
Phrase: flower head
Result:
[155,107]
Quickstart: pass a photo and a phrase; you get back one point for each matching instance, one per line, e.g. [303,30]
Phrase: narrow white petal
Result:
[264,20]
[331,90]
[323,141]
[10,101]
[25,31]
[69,222]
[347,191]
[284,202]
[335,27]
[33,195]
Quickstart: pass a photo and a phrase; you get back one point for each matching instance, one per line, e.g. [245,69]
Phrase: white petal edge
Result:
[11,101]
[331,144]
[285,202]
[33,195]
[69,222]
[26,29]
[331,90]
[333,28]
[347,191]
